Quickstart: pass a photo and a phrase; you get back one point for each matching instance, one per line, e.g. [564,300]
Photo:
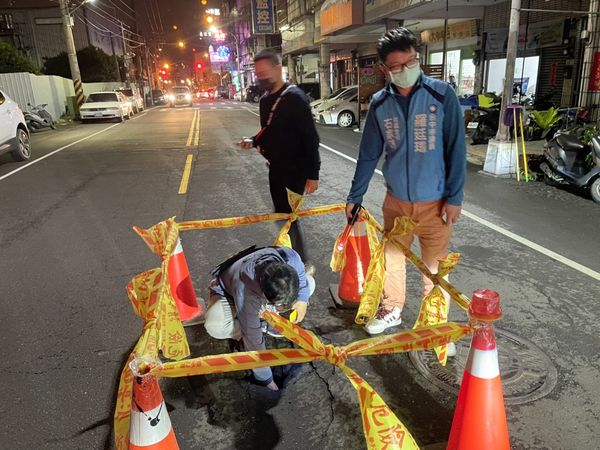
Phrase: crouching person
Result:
[273,277]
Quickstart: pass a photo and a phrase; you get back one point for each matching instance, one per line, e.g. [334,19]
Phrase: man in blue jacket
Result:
[417,121]
[271,277]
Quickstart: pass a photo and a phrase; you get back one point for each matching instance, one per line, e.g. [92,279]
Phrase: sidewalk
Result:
[476,153]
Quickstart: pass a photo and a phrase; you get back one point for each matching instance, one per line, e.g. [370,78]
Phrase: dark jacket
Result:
[290,143]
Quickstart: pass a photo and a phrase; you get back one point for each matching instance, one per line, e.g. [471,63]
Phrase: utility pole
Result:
[72,53]
[503,134]
[501,159]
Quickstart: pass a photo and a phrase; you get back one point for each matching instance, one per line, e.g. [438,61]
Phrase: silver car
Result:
[342,111]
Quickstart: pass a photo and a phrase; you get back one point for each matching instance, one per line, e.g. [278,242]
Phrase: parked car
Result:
[133,95]
[223,91]
[159,97]
[315,105]
[106,105]
[180,95]
[342,111]
[254,93]
[14,136]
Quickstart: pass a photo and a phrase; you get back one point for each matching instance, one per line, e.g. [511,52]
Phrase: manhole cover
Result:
[527,373]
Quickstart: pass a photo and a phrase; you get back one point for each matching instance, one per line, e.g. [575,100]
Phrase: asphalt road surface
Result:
[67,251]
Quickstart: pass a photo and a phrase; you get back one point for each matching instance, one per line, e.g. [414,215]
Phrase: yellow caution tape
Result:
[434,307]
[151,298]
[383,430]
[374,281]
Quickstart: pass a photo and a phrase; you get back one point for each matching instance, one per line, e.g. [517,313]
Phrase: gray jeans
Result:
[221,321]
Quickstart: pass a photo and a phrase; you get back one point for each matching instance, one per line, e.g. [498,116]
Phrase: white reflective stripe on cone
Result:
[142,432]
[178,248]
[483,363]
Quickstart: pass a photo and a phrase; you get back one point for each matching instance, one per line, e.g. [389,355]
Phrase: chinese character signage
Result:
[263,19]
[595,73]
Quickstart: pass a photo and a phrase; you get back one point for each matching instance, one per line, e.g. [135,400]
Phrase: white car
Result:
[14,136]
[133,95]
[106,105]
[316,105]
[342,111]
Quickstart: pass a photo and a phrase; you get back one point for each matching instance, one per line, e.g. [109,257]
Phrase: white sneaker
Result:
[384,318]
[451,349]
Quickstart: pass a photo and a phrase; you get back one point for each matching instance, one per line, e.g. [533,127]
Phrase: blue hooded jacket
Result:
[424,141]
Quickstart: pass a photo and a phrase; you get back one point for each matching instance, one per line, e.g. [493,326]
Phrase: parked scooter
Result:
[565,162]
[37,118]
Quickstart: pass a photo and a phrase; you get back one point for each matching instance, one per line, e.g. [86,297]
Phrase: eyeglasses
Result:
[411,64]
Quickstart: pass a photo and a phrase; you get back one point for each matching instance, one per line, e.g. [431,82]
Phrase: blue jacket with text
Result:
[424,142]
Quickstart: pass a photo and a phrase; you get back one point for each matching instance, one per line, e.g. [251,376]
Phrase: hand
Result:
[300,308]
[450,213]
[246,143]
[311,186]
[349,208]
[272,386]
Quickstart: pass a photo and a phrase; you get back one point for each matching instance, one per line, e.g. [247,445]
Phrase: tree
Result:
[12,60]
[94,64]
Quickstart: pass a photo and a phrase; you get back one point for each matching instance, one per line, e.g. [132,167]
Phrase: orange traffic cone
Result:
[480,418]
[357,252]
[150,426]
[181,285]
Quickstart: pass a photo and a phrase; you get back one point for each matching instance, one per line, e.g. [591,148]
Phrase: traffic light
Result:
[199,66]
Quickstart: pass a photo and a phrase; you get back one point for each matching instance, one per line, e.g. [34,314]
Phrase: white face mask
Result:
[407,77]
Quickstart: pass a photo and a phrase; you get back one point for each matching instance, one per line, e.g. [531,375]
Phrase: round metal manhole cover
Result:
[527,373]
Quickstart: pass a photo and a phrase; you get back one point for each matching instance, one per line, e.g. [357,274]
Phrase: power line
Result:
[122,10]
[162,30]
[107,31]
[149,19]
[121,1]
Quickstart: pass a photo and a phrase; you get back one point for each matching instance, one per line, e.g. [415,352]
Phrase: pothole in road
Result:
[526,371]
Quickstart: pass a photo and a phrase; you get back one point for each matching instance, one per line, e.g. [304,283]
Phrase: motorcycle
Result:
[37,118]
[485,115]
[566,162]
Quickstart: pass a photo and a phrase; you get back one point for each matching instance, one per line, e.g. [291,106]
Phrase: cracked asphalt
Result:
[67,251]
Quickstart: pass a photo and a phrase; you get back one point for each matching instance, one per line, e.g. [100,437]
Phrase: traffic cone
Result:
[357,257]
[480,418]
[181,285]
[150,426]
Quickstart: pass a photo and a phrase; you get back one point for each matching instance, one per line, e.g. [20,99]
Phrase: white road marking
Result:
[213,107]
[509,234]
[56,151]
[252,112]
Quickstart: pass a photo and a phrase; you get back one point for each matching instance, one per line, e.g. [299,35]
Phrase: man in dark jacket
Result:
[271,277]
[288,140]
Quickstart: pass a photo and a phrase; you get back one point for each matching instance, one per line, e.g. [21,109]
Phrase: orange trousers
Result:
[434,237]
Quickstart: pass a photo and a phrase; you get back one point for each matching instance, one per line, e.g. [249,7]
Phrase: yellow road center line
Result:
[185,179]
[197,137]
[192,126]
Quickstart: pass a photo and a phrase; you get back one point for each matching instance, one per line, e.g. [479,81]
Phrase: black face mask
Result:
[265,84]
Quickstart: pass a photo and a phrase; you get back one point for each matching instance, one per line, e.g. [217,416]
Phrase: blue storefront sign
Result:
[263,19]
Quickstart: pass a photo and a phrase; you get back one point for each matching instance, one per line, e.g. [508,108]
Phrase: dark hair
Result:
[399,39]
[270,55]
[280,283]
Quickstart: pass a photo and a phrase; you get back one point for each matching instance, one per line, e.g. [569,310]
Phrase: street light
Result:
[80,5]
[181,44]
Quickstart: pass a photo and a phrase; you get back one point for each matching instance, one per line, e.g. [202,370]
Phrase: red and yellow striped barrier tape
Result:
[374,280]
[383,430]
[282,239]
